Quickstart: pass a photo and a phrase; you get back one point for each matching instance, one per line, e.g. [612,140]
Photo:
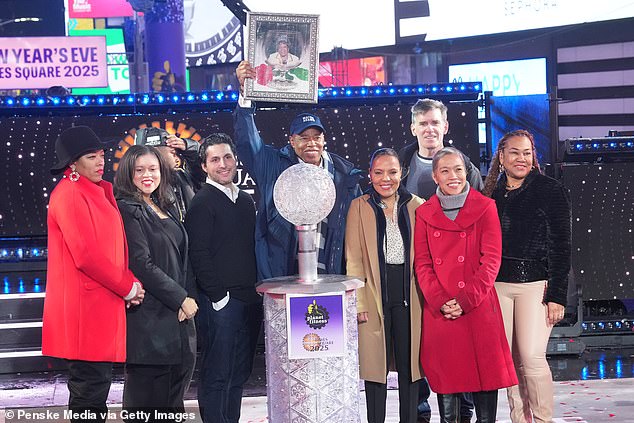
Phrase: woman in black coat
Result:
[534,213]
[161,343]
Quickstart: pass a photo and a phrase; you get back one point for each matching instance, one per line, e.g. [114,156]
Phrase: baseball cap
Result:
[304,121]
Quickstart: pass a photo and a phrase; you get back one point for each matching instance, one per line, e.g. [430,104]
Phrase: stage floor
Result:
[595,387]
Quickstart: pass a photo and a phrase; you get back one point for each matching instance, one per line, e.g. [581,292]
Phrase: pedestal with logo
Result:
[310,320]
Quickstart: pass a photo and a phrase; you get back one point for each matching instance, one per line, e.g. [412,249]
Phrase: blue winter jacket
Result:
[275,237]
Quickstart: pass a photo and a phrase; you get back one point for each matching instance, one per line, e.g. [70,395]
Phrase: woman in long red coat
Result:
[458,244]
[88,279]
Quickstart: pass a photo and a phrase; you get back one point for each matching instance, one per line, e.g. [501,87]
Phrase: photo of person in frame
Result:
[282,61]
[281,57]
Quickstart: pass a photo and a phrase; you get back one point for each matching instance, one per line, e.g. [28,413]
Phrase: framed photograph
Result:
[283,49]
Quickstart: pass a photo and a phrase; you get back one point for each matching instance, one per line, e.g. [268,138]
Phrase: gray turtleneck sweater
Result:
[451,204]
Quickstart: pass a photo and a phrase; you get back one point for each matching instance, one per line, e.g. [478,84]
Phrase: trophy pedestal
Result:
[310,390]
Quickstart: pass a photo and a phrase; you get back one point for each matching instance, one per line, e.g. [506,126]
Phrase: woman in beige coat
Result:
[380,251]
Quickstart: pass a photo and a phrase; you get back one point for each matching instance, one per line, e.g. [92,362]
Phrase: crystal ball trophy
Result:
[304,195]
[320,388]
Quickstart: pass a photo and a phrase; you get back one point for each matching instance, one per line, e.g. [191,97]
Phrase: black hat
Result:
[73,143]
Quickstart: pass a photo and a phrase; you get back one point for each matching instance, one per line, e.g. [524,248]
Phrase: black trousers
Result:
[159,386]
[398,347]
[89,385]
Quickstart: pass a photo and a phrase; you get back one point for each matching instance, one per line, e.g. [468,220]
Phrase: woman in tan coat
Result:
[380,251]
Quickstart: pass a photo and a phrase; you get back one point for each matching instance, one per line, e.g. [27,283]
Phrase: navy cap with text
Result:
[304,121]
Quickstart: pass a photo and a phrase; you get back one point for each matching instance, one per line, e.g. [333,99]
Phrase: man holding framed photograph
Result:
[276,238]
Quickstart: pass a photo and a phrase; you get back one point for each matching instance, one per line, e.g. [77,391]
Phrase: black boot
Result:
[449,407]
[486,406]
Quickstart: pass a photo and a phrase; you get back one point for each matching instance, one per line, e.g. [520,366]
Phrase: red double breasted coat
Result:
[460,259]
[87,275]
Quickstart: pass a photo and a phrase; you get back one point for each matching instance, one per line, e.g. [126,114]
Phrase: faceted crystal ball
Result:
[304,194]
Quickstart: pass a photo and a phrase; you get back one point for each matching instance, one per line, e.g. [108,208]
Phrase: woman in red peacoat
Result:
[87,275]
[457,257]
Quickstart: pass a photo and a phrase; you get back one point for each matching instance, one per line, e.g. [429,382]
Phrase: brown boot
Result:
[518,402]
[541,397]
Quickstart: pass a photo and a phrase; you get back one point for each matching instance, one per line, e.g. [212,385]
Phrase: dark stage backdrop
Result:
[522,112]
[354,132]
[602,222]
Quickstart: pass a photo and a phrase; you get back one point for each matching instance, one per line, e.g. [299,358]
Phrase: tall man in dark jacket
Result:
[429,126]
[276,238]
[221,225]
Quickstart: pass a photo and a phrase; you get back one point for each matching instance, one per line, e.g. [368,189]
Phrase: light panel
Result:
[471,90]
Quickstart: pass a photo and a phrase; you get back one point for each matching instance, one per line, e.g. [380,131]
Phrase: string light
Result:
[223,98]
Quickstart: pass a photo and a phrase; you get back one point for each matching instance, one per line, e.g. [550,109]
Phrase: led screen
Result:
[212,34]
[454,19]
[98,8]
[508,78]
[352,72]
[351,24]
[116,58]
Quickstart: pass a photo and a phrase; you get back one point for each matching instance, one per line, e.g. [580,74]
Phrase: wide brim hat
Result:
[73,143]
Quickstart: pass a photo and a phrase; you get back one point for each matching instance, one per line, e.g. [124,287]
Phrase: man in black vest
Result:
[221,227]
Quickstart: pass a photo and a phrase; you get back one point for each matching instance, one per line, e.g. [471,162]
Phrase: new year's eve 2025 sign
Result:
[316,325]
[42,62]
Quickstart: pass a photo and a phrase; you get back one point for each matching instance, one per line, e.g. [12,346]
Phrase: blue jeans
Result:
[423,398]
[228,339]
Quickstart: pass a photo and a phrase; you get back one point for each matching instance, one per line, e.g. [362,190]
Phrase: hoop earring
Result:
[74,175]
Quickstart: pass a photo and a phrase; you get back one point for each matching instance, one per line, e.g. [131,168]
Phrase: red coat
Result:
[460,259]
[87,274]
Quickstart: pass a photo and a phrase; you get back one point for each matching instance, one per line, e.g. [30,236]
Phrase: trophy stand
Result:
[322,388]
